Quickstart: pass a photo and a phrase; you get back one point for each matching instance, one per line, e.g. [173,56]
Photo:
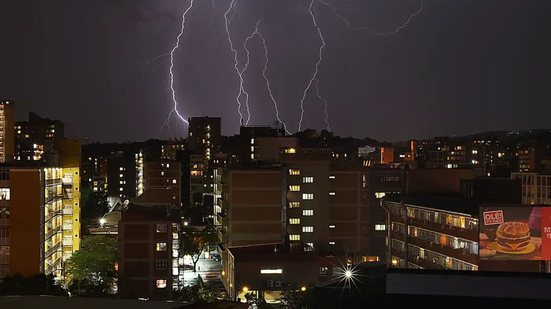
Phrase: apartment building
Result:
[536,188]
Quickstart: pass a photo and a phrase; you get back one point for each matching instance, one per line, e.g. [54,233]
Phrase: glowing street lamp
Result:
[102,221]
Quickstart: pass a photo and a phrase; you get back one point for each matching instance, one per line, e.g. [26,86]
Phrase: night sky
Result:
[459,67]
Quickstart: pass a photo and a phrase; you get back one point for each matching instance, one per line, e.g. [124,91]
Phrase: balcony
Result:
[52,232]
[425,263]
[54,248]
[459,254]
[446,229]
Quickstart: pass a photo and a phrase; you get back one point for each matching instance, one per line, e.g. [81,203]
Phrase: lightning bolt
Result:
[316,70]
[258,34]
[242,90]
[328,126]
[171,71]
[349,25]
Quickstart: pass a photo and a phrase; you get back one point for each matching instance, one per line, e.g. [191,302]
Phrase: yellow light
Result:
[303,289]
[290,150]
[223,273]
[394,262]
[245,289]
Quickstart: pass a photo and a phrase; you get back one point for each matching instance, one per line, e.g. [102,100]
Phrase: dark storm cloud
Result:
[459,67]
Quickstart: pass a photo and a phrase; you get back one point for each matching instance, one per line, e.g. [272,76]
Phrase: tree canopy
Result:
[93,266]
[196,240]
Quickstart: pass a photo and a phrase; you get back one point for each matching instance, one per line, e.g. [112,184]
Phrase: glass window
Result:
[161,283]
[294,204]
[294,237]
[161,246]
[161,228]
[5,194]
[324,271]
[294,221]
[307,196]
[307,229]
[161,265]
[308,212]
[294,188]
[294,172]
[308,179]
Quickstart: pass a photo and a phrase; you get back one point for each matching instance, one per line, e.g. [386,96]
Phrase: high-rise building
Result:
[536,188]
[432,233]
[122,175]
[149,250]
[6,131]
[164,175]
[248,142]
[251,209]
[39,221]
[37,139]
[204,136]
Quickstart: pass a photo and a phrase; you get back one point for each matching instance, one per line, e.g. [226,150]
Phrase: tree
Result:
[94,206]
[294,297]
[92,268]
[196,240]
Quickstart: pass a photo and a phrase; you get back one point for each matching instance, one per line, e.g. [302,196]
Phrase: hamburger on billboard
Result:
[515,233]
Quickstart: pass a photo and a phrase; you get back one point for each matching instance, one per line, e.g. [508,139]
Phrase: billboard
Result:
[515,233]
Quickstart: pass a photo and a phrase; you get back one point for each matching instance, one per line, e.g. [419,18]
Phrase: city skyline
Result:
[405,79]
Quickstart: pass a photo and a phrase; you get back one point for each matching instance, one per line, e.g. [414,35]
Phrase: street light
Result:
[101,222]
[348,274]
[303,289]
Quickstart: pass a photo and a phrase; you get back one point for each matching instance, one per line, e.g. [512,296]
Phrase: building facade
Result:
[536,188]
[149,251]
[432,233]
[40,221]
[7,120]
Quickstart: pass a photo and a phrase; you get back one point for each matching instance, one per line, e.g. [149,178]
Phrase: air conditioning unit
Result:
[277,283]
[270,283]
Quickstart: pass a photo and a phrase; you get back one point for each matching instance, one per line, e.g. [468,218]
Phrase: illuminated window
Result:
[290,150]
[294,188]
[161,247]
[331,176]
[161,265]
[332,193]
[307,229]
[380,194]
[309,246]
[121,168]
[324,271]
[161,228]
[277,271]
[294,221]
[252,141]
[380,227]
[307,196]
[294,172]
[308,212]
[5,194]
[174,181]
[332,243]
[121,175]
[332,226]
[121,189]
[294,237]
[294,204]
[308,179]
[161,284]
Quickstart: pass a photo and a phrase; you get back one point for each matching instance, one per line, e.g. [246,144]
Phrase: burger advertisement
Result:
[515,233]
